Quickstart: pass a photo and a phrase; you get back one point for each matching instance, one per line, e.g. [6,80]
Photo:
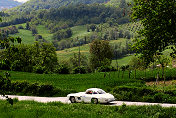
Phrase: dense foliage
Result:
[158,20]
[38,58]
[47,4]
[101,54]
[33,89]
[144,94]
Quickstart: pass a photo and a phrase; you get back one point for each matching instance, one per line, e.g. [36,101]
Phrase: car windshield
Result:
[101,92]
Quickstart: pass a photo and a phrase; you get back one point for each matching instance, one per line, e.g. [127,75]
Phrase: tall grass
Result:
[30,109]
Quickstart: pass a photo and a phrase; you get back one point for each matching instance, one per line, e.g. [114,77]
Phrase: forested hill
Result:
[8,4]
[47,4]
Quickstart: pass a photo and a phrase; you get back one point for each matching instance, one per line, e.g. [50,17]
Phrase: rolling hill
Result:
[47,4]
[6,4]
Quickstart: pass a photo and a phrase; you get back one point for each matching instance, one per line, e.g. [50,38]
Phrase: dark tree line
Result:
[15,21]
[47,4]
[5,32]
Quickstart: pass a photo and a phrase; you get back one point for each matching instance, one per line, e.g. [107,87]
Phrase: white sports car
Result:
[92,95]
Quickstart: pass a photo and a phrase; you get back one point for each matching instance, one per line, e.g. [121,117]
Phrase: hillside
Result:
[8,4]
[47,4]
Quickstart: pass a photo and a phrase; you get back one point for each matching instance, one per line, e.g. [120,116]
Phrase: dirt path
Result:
[65,100]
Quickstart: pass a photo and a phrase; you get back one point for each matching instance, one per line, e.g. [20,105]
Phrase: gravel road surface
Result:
[65,100]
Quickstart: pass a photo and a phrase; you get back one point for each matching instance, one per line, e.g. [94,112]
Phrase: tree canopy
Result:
[101,53]
[158,19]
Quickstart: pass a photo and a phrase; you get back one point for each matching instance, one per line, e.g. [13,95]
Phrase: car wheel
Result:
[94,100]
[72,99]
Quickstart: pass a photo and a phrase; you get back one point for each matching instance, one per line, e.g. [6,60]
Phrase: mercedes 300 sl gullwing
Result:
[92,95]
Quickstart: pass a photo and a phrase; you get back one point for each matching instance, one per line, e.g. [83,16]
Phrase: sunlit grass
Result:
[30,109]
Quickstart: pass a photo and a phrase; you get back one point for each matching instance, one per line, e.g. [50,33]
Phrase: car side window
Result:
[95,92]
[89,92]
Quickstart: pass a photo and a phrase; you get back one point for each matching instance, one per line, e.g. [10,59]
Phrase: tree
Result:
[27,26]
[34,30]
[101,53]
[4,81]
[93,27]
[75,60]
[158,20]
[123,4]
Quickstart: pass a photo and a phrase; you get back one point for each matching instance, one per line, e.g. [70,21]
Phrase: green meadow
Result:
[31,109]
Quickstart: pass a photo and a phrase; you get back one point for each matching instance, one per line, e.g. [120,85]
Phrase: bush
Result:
[38,69]
[4,64]
[4,84]
[62,69]
[46,90]
[106,69]
[20,27]
[17,65]
[143,94]
[81,70]
[18,87]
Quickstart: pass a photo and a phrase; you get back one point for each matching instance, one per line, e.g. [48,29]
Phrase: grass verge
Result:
[30,109]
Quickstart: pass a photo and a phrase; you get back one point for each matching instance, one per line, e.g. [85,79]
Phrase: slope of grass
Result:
[122,61]
[44,32]
[28,38]
[31,109]
[26,35]
[67,53]
[80,31]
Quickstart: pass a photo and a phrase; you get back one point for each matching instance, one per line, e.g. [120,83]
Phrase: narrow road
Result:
[65,100]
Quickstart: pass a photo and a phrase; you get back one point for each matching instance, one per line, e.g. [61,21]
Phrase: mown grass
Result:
[30,109]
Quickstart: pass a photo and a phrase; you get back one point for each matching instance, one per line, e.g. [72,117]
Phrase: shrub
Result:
[62,69]
[38,69]
[143,94]
[81,70]
[46,90]
[20,27]
[17,65]
[106,69]
[17,87]
[5,64]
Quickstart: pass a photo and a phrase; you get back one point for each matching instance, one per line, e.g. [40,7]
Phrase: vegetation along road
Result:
[65,100]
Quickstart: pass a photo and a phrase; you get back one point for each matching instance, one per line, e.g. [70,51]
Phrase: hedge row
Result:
[32,89]
[144,94]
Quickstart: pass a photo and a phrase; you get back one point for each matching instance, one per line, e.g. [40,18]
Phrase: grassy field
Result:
[28,38]
[78,82]
[44,32]
[30,109]
[81,82]
[80,31]
[26,35]
[122,61]
[67,53]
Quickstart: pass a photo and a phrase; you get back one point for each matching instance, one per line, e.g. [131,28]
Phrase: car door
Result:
[87,96]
